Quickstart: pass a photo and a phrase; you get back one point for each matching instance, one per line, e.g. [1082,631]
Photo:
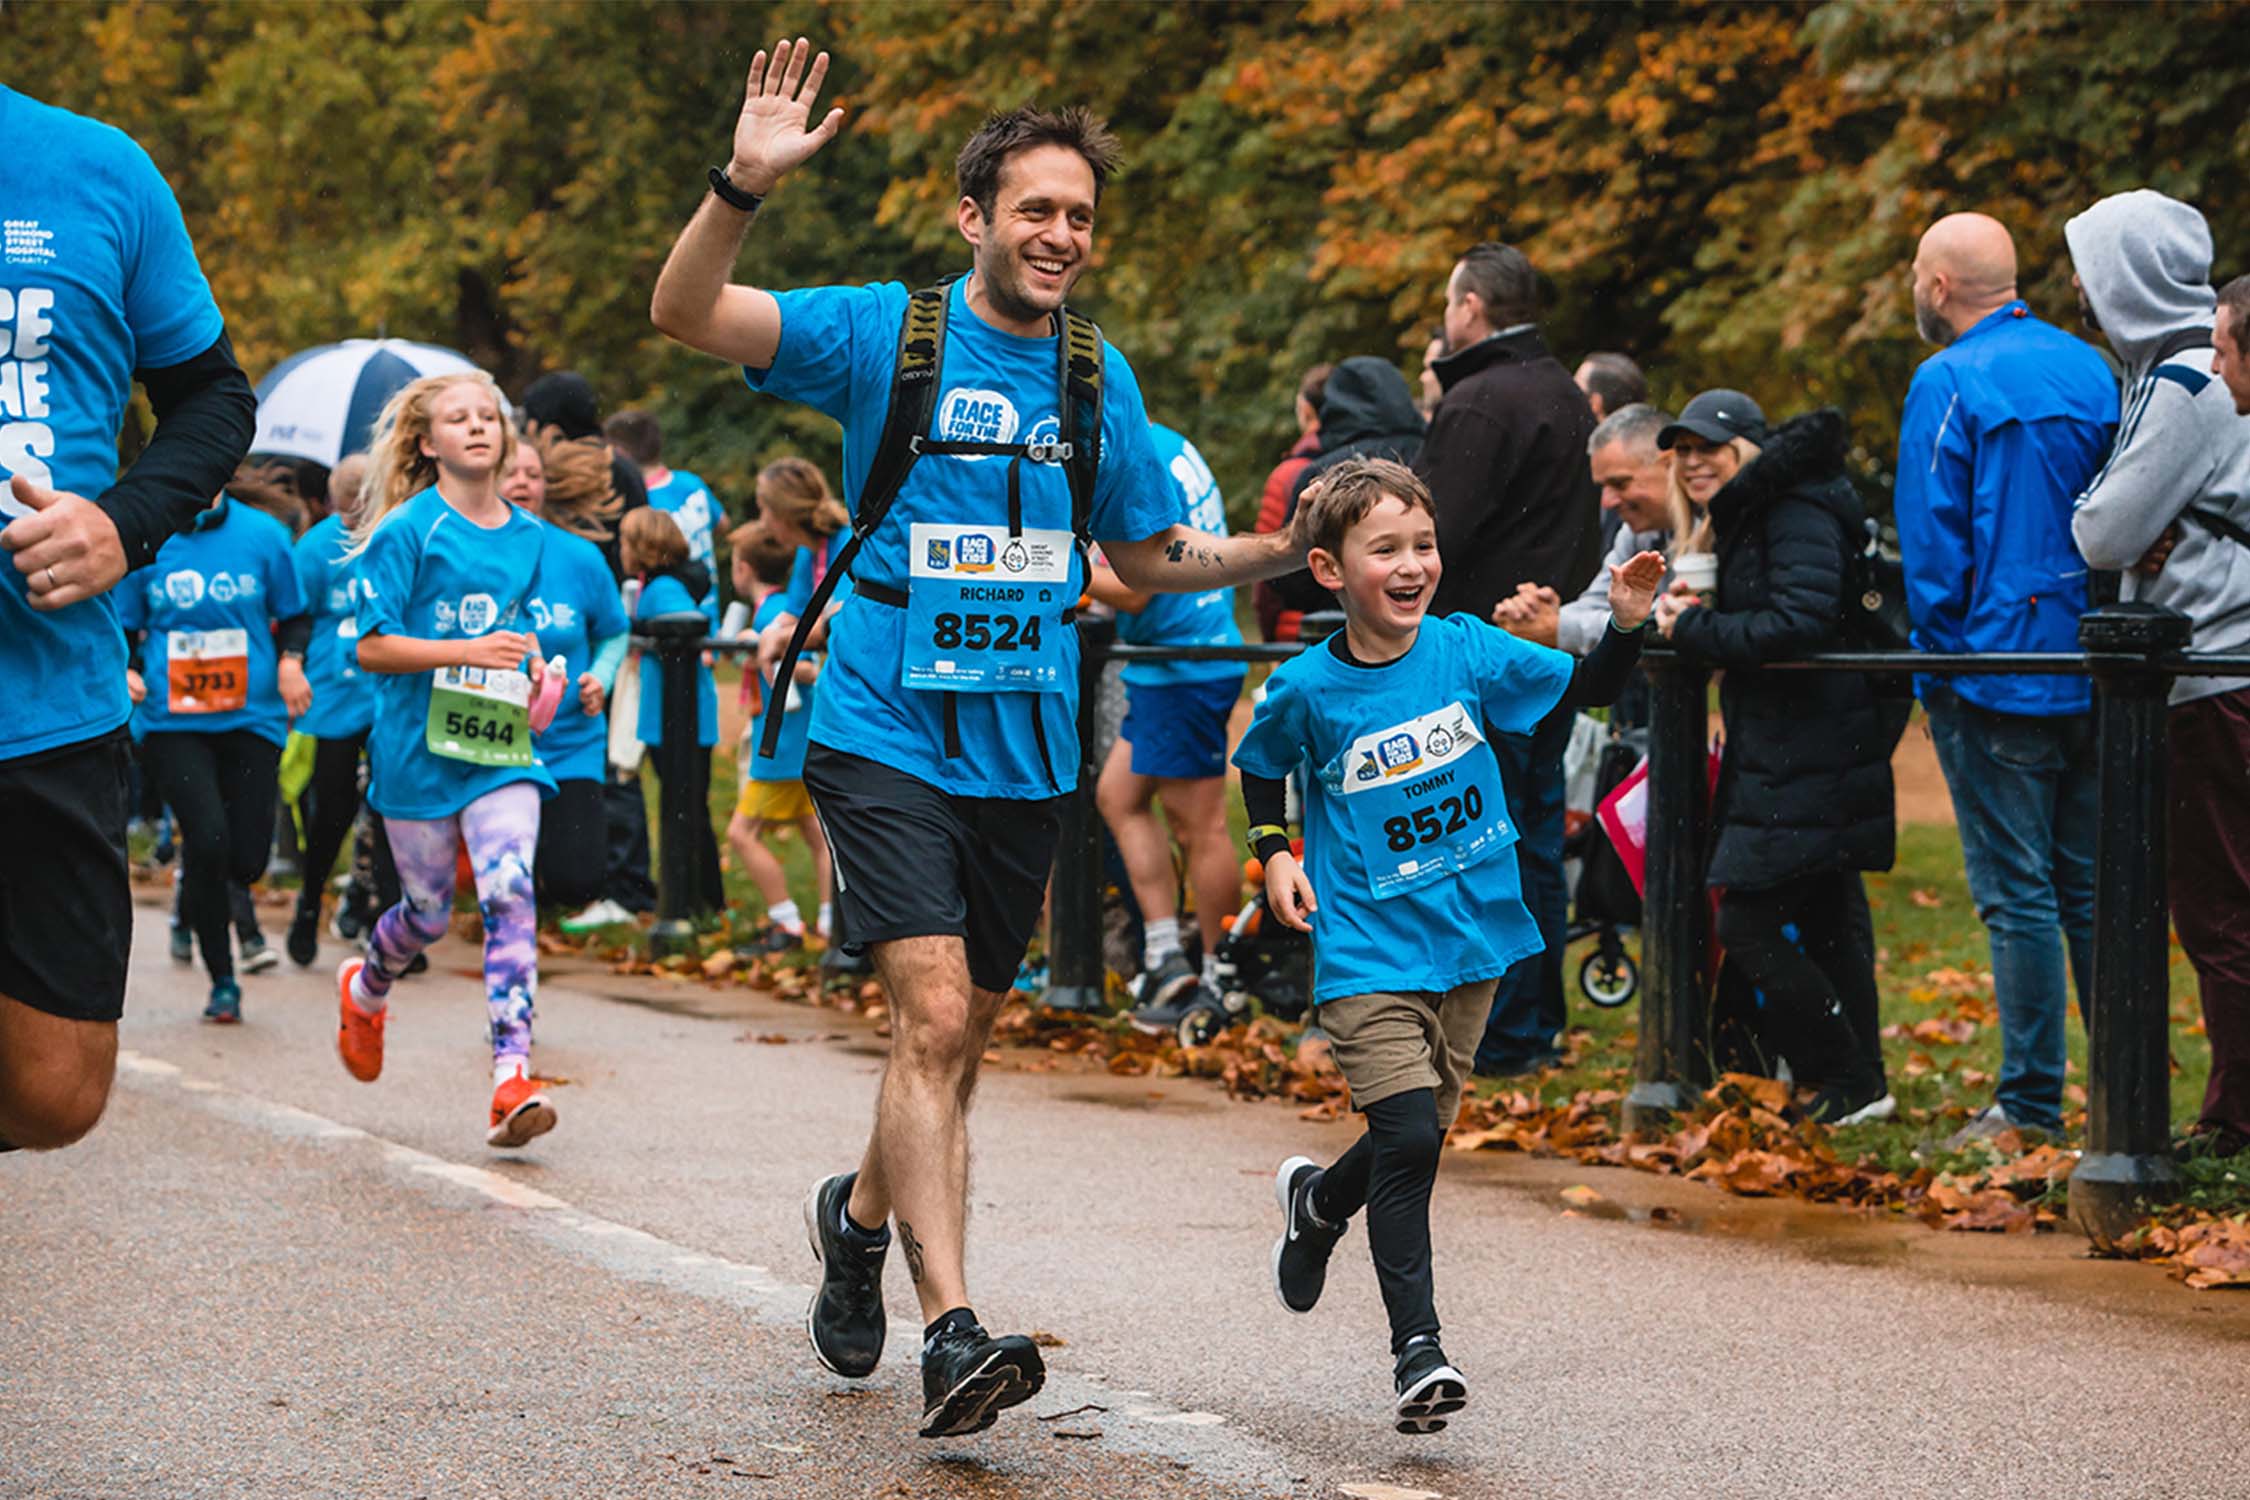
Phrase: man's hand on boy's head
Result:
[1289,893]
[1632,588]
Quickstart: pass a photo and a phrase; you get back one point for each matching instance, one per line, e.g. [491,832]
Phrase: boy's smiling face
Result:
[1388,569]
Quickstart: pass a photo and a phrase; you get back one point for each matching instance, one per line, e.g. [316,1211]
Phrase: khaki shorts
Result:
[1388,1044]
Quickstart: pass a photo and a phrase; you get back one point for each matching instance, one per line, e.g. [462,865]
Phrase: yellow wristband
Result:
[1262,830]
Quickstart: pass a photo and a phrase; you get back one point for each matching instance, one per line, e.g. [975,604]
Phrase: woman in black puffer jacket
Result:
[1804,797]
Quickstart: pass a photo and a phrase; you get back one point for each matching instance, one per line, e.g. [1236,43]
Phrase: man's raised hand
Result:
[771,137]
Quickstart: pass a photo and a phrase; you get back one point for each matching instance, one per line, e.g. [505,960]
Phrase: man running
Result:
[944,733]
[99,287]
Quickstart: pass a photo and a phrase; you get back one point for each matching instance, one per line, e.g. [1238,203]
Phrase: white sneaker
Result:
[1881,1109]
[603,913]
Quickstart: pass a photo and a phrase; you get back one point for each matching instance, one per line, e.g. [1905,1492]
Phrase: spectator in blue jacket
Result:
[2003,427]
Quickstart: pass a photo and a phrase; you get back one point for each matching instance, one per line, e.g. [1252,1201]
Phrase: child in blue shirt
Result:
[773,794]
[1409,884]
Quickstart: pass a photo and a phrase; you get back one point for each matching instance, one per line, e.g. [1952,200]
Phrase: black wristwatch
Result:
[733,196]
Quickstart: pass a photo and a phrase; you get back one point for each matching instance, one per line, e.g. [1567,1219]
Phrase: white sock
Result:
[827,917]
[784,915]
[505,1068]
[369,1004]
[1159,938]
[1211,970]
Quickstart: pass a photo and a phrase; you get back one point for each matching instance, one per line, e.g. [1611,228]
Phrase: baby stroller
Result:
[1604,904]
[1259,959]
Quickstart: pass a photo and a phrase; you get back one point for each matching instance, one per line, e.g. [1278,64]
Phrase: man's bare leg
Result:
[1197,813]
[54,1075]
[916,1170]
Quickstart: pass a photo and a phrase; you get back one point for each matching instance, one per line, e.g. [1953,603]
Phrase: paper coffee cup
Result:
[1699,571]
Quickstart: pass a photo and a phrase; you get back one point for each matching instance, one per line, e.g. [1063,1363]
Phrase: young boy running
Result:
[1408,846]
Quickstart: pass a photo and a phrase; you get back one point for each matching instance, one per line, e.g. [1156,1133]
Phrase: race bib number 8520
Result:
[1423,800]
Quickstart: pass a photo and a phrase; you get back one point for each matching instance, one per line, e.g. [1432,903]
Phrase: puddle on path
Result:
[2055,1266]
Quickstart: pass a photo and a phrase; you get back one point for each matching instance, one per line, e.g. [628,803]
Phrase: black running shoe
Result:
[1172,979]
[845,1320]
[303,941]
[1429,1389]
[1300,1256]
[970,1377]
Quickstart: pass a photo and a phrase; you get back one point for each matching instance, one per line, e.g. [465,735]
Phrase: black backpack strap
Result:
[1081,409]
[2219,525]
[914,381]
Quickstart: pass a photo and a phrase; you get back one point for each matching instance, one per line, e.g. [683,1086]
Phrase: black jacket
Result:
[1366,411]
[1806,783]
[1505,460]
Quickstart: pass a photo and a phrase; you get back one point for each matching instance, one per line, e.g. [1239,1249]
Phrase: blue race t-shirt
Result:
[1205,619]
[97,280]
[343,703]
[575,609]
[787,763]
[687,499]
[665,595]
[429,573]
[209,603]
[1323,714]
[838,351]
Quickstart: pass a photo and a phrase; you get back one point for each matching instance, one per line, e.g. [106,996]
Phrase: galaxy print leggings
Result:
[501,829]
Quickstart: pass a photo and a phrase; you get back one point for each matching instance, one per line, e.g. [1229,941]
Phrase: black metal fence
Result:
[2132,653]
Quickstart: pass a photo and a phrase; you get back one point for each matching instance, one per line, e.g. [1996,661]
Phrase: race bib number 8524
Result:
[984,609]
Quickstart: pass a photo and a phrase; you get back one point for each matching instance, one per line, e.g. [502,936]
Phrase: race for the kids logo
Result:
[1422,744]
[27,437]
[972,553]
[969,415]
[478,613]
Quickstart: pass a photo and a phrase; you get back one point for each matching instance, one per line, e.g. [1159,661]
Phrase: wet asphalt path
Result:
[260,1278]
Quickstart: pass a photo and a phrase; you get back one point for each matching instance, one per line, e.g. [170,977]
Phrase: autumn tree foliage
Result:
[1730,192]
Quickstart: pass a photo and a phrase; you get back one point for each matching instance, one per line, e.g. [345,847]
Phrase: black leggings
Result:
[1821,1006]
[710,888]
[573,844]
[221,788]
[1389,1171]
[328,806]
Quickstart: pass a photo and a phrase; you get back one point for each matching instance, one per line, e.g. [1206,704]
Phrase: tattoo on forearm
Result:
[1177,550]
[913,1249]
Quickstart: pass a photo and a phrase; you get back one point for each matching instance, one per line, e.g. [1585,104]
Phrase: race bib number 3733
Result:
[206,671]
[1423,800]
[984,609]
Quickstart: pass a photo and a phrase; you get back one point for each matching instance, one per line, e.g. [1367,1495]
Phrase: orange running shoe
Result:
[359,1037]
[519,1113]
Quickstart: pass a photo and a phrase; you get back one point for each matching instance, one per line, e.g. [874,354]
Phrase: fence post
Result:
[2127,1165]
[678,641]
[1673,1063]
[1075,972]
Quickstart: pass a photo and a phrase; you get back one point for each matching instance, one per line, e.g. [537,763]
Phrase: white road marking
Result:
[642,1256]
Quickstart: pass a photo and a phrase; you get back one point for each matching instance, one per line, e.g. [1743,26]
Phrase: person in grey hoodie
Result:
[2161,510]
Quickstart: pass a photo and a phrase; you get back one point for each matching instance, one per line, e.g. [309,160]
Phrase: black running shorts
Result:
[66,902]
[913,860]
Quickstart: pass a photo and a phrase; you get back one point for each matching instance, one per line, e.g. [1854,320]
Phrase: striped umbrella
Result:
[322,403]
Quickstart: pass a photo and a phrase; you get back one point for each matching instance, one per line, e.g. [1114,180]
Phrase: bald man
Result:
[2003,427]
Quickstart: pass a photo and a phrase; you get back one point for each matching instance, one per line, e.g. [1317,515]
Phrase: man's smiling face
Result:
[1040,237]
